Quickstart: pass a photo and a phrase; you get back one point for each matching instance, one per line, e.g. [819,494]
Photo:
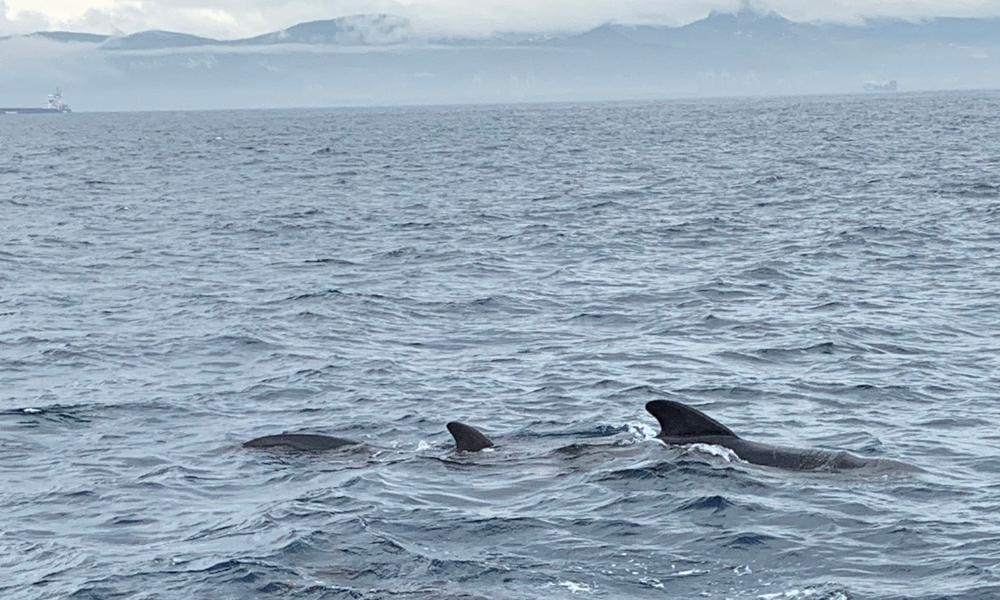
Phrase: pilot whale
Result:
[467,439]
[682,425]
[305,442]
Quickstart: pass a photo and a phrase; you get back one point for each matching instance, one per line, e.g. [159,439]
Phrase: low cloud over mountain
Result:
[384,59]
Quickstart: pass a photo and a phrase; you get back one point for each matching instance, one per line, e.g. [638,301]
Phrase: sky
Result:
[227,19]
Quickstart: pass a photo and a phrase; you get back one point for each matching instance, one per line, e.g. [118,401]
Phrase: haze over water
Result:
[817,272]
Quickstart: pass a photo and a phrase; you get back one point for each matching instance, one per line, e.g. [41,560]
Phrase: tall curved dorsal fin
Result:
[679,420]
[467,438]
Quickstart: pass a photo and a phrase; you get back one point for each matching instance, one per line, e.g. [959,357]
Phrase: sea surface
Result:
[818,272]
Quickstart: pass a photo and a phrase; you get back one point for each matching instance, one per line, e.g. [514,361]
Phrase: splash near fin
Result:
[468,439]
[680,421]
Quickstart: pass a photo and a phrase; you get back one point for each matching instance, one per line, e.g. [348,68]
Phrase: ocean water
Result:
[818,272]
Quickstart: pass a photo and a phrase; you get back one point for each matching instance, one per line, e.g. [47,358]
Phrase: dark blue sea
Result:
[818,272]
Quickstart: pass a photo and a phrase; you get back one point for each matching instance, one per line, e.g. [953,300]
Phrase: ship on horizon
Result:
[55,106]
[886,85]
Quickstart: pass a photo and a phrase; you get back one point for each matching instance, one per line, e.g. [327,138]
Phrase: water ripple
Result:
[814,272]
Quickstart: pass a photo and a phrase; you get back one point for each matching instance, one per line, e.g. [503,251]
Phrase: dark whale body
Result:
[682,425]
[467,439]
[305,442]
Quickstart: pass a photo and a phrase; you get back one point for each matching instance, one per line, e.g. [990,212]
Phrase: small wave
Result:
[741,357]
[55,413]
[638,391]
[768,179]
[603,318]
[415,225]
[657,471]
[243,340]
[330,261]
[977,190]
[603,384]
[764,274]
[714,321]
[828,306]
[821,348]
[575,588]
[722,293]
[716,504]
[658,582]
[749,540]
[826,592]
[600,431]
[398,252]
[604,204]
[330,293]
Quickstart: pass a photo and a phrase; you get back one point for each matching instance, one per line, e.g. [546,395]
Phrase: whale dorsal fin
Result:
[679,421]
[467,438]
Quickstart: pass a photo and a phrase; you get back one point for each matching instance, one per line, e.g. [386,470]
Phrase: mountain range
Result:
[718,28]
[384,59]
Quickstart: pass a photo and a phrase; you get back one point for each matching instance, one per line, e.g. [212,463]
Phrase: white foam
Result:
[640,432]
[575,587]
[690,572]
[721,451]
[807,594]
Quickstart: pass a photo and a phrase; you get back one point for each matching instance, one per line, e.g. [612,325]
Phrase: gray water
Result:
[815,272]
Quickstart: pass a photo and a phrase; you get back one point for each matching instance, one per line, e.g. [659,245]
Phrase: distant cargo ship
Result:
[880,86]
[55,106]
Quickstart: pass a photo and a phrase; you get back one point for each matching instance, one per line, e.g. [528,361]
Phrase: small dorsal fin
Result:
[679,420]
[467,438]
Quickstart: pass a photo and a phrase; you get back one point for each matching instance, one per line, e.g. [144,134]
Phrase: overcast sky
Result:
[241,18]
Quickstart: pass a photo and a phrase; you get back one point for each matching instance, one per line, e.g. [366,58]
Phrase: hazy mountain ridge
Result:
[156,40]
[775,29]
[383,59]
[389,30]
[356,30]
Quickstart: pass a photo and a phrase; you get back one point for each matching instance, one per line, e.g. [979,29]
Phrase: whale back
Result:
[304,442]
[468,438]
[680,421]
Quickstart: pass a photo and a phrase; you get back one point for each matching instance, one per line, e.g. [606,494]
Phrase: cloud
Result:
[854,11]
[24,21]
[242,18]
